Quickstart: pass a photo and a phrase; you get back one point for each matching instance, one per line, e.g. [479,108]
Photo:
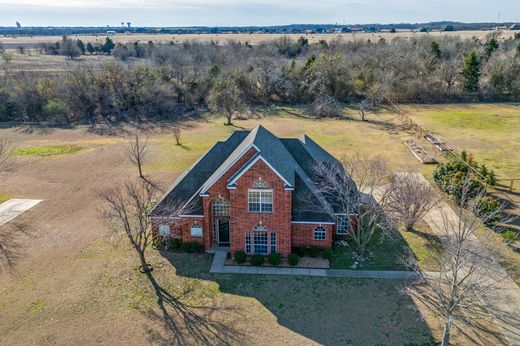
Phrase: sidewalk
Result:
[219,267]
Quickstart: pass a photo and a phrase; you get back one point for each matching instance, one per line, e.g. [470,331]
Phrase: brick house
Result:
[253,192]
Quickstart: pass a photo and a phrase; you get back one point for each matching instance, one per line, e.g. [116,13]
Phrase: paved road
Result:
[14,207]
[503,300]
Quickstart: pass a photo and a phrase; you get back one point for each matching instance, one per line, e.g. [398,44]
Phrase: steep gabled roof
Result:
[271,149]
[188,184]
[294,160]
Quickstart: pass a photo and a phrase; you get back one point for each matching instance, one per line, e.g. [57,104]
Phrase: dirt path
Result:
[503,301]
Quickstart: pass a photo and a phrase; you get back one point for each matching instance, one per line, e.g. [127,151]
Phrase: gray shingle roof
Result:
[293,159]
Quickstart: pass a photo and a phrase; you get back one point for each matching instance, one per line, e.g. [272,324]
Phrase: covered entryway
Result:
[221,232]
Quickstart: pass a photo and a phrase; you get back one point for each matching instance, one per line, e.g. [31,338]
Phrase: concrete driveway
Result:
[14,207]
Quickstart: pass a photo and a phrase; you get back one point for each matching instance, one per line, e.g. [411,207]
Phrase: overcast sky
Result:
[246,12]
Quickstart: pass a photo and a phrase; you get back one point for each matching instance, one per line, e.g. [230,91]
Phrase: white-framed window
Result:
[319,233]
[196,230]
[342,224]
[164,230]
[273,242]
[248,243]
[260,201]
[260,243]
[220,207]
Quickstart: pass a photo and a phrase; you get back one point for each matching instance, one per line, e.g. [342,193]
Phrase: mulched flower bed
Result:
[305,262]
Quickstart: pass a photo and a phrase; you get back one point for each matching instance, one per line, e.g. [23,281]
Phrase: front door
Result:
[223,232]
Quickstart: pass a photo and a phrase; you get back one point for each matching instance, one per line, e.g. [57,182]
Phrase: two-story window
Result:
[260,201]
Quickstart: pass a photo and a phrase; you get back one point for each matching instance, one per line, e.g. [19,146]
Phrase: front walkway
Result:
[219,267]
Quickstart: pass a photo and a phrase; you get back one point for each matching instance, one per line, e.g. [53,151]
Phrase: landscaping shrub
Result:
[327,254]
[196,247]
[301,251]
[509,236]
[488,205]
[314,251]
[160,244]
[186,246]
[240,257]
[275,258]
[294,259]
[174,243]
[257,260]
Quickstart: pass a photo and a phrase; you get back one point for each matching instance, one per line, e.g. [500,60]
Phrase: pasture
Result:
[31,42]
[73,282]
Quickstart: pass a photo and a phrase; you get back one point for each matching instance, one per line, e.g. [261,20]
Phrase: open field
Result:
[33,41]
[74,283]
[491,132]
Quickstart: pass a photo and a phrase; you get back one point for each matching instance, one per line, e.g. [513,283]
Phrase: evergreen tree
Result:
[436,51]
[490,47]
[90,48]
[108,46]
[471,72]
[81,46]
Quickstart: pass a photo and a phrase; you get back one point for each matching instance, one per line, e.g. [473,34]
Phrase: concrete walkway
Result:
[14,207]
[503,300]
[218,266]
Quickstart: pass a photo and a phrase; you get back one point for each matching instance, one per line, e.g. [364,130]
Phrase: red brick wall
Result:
[279,221]
[220,189]
[303,235]
[181,229]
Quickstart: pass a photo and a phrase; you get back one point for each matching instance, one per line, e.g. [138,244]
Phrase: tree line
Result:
[149,81]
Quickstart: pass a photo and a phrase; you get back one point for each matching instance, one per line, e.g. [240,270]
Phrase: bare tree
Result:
[350,188]
[465,269]
[177,135]
[127,209]
[6,151]
[137,150]
[363,108]
[410,199]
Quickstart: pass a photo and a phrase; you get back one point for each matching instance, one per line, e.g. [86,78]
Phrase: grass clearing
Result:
[491,132]
[48,150]
[94,294]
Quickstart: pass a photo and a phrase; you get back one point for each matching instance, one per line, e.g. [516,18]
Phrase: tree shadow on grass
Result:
[186,324]
[324,310]
[12,243]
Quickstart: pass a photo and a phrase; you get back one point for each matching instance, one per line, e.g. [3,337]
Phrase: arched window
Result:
[319,233]
[220,207]
[164,230]
[196,229]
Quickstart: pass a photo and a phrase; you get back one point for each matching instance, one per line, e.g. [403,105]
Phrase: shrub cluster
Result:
[240,257]
[454,176]
[257,260]
[294,259]
[275,258]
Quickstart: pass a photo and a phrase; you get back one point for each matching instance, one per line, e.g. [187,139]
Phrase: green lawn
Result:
[490,131]
[48,150]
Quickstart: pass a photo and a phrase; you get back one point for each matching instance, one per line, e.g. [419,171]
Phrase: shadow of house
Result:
[324,310]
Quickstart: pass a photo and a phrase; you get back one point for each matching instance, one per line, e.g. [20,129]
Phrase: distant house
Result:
[514,27]
[254,192]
